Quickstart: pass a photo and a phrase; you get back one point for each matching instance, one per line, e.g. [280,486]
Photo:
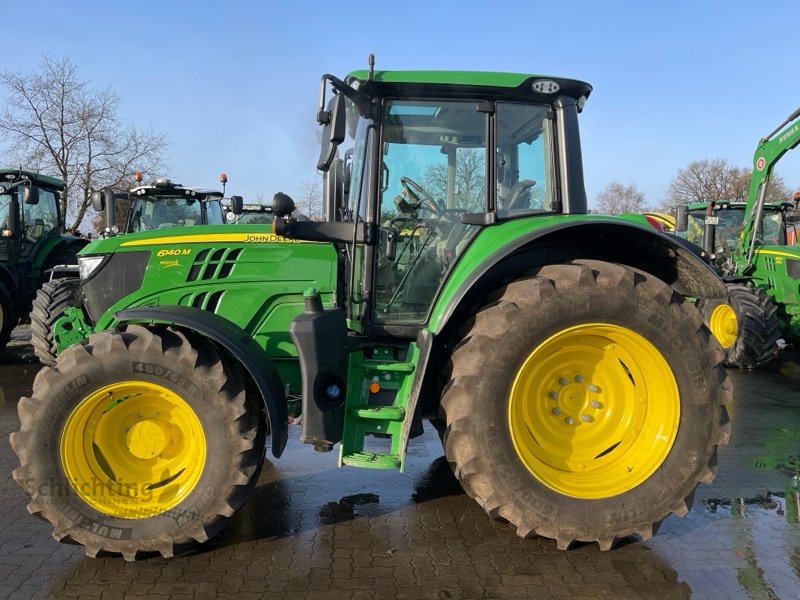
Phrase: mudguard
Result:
[241,347]
[609,239]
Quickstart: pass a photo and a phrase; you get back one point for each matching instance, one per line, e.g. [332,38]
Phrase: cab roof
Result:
[37,178]
[482,84]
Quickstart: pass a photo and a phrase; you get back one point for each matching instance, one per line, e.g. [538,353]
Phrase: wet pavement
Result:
[311,530]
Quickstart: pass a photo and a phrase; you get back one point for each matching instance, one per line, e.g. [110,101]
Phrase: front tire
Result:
[48,305]
[756,328]
[586,403]
[138,441]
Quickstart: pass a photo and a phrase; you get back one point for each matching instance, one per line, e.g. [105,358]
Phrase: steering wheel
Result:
[419,195]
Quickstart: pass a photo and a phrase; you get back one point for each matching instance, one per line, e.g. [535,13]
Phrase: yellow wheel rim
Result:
[723,325]
[133,449]
[594,411]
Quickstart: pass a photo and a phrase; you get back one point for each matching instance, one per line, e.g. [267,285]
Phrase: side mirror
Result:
[30,194]
[105,200]
[237,205]
[334,127]
[98,201]
[681,219]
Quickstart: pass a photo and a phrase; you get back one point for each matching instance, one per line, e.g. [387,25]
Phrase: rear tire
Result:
[48,305]
[191,451]
[8,317]
[586,403]
[758,328]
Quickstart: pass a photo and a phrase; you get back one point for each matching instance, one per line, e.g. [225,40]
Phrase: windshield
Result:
[158,212]
[727,231]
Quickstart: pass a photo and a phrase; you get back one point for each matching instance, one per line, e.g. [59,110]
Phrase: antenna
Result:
[371,62]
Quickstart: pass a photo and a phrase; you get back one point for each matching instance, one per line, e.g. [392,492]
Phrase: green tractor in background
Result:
[32,242]
[248,214]
[159,205]
[577,394]
[754,248]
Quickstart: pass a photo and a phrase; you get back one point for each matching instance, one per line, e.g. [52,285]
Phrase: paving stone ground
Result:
[311,530]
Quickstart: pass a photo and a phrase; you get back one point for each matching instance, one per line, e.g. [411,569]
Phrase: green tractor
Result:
[754,248]
[32,242]
[248,213]
[162,204]
[457,278]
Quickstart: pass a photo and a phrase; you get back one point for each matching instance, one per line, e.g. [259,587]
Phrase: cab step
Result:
[371,460]
[375,408]
[386,413]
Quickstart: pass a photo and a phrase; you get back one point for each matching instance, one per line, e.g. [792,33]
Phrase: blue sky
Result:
[234,85]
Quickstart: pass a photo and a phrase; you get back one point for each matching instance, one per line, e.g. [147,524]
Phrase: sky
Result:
[234,85]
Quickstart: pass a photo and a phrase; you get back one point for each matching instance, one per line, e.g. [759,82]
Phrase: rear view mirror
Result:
[105,200]
[334,126]
[98,201]
[30,194]
[237,204]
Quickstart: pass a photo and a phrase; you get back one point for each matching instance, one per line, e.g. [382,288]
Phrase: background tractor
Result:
[249,213]
[754,248]
[457,278]
[162,204]
[32,242]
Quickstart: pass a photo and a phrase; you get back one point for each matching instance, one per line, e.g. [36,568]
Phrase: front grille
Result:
[121,274]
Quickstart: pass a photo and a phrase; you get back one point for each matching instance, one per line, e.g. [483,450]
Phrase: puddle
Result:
[783,504]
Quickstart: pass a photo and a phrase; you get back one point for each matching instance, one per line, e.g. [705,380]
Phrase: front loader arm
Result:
[770,150]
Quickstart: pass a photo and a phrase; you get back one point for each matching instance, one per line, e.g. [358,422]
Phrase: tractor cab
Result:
[428,164]
[247,213]
[158,205]
[775,228]
[29,212]
[164,204]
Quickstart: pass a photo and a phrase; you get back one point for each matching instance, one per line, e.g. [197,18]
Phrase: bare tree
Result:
[309,200]
[57,123]
[616,198]
[470,180]
[706,180]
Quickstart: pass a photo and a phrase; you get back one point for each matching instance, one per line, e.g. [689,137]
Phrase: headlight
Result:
[88,265]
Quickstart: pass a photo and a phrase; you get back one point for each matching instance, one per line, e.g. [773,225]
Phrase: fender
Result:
[241,347]
[491,260]
[56,248]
